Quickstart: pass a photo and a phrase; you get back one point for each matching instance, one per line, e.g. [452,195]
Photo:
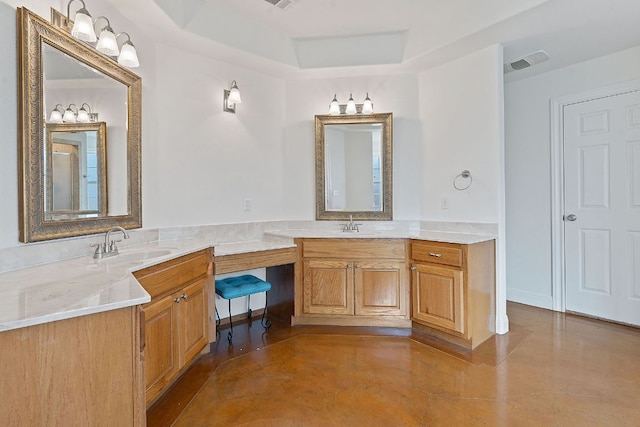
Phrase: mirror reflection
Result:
[75,173]
[74,85]
[353,161]
[354,167]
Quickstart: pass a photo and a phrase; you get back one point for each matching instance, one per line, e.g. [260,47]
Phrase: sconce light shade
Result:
[367,105]
[231,97]
[128,55]
[334,107]
[82,25]
[56,114]
[351,105]
[107,42]
[69,115]
[84,116]
[234,94]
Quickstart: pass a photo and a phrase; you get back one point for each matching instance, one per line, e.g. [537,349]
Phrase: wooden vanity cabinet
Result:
[453,290]
[353,282]
[176,319]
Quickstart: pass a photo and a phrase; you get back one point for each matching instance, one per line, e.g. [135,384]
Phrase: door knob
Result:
[571,217]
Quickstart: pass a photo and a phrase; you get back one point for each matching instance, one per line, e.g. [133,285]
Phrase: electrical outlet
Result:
[444,203]
[247,205]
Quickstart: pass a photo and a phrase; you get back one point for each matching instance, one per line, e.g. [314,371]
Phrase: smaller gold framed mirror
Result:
[75,170]
[354,173]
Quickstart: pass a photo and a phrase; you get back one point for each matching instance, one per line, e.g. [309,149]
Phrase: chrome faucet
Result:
[108,248]
[350,226]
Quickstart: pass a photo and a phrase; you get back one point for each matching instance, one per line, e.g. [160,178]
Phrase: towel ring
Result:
[465,174]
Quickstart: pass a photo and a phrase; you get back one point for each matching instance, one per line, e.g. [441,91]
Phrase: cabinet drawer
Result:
[354,248]
[438,253]
[164,278]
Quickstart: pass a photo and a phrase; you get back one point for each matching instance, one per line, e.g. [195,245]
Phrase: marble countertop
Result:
[84,285]
[437,236]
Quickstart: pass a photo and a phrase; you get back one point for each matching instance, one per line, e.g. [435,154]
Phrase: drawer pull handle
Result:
[435,255]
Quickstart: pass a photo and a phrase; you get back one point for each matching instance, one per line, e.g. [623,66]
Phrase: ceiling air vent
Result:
[280,4]
[526,61]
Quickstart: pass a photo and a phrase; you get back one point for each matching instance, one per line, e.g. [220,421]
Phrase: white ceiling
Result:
[339,37]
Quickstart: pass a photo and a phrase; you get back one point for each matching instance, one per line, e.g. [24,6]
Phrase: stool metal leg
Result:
[249,306]
[265,324]
[230,334]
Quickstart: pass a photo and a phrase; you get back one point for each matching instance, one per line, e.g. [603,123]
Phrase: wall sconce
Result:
[69,115]
[56,114]
[84,28]
[335,108]
[231,98]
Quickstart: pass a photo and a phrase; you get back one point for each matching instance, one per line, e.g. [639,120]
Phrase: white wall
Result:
[204,161]
[391,93]
[528,166]
[461,108]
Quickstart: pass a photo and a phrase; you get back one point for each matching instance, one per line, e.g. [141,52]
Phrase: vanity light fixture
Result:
[107,43]
[84,28]
[56,114]
[85,116]
[69,115]
[231,98]
[350,107]
[82,25]
[128,55]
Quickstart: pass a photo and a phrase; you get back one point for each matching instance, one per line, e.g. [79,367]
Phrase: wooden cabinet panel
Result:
[377,249]
[438,253]
[193,319]
[328,287]
[161,347]
[166,277]
[379,288]
[80,371]
[438,297]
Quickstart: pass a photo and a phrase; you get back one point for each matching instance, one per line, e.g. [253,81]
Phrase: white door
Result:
[602,207]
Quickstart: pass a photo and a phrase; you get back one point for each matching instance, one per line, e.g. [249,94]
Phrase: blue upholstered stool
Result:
[241,286]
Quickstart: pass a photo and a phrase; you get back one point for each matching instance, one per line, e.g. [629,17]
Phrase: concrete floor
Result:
[551,369]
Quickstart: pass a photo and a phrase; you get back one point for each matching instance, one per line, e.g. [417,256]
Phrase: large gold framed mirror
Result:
[354,172]
[58,195]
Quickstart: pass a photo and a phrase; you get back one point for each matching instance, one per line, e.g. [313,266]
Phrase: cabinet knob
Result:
[349,265]
[177,300]
[435,255]
[414,268]
[185,296]
[358,265]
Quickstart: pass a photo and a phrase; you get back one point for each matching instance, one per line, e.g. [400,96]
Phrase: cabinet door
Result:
[379,288]
[193,321]
[161,347]
[328,287]
[438,297]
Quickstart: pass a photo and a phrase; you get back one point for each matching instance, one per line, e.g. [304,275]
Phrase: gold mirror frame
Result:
[384,119]
[32,32]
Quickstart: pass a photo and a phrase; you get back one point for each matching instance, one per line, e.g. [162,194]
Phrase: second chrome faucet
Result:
[108,248]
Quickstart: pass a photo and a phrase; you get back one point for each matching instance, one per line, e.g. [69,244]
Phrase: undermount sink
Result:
[138,256]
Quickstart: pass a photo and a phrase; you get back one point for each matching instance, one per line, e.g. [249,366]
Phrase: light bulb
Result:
[367,105]
[334,107]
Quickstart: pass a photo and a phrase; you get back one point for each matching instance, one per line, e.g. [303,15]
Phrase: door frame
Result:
[557,104]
